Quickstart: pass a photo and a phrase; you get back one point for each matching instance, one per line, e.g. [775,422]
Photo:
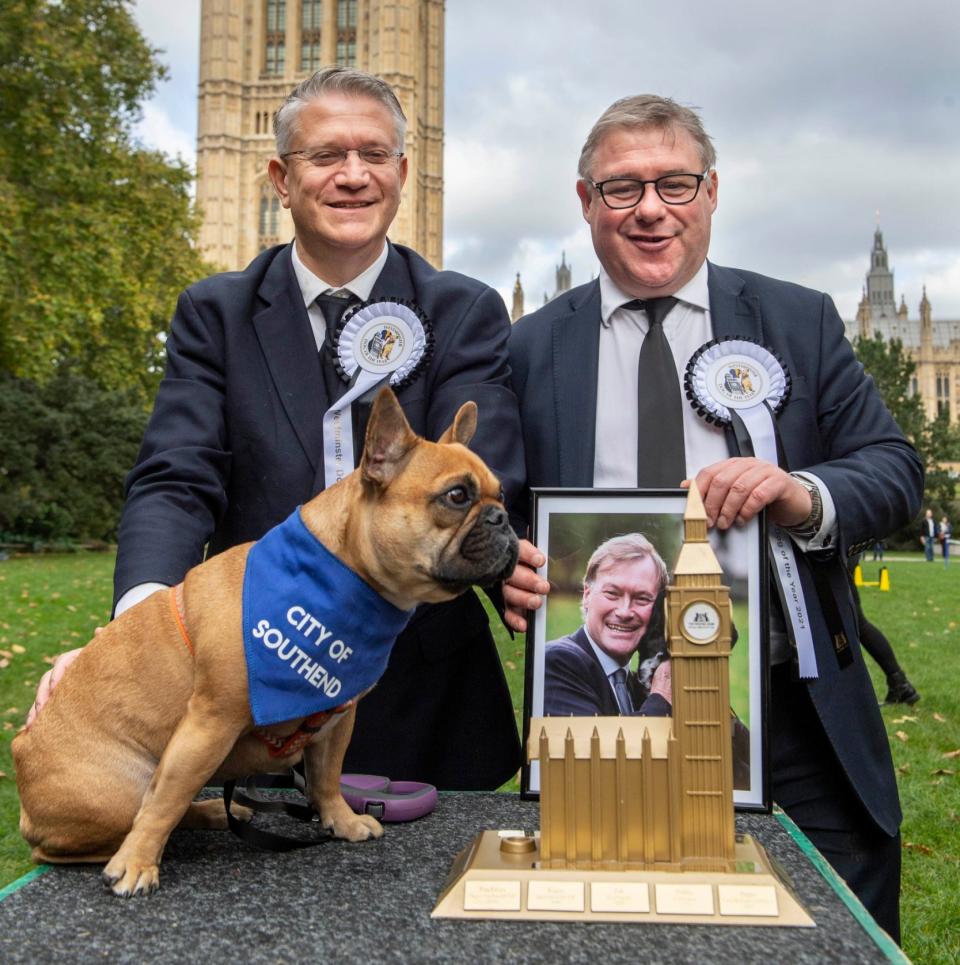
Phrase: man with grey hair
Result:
[598,374]
[237,437]
[588,672]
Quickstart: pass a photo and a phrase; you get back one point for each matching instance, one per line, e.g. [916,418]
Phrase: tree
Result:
[936,441]
[96,232]
[65,447]
[893,370]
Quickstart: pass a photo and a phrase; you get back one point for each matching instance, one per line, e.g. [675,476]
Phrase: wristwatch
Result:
[811,525]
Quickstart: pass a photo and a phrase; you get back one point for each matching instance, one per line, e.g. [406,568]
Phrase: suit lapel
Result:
[394,281]
[287,342]
[732,314]
[576,348]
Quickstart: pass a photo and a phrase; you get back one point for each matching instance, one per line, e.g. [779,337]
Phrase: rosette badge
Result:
[387,342]
[389,337]
[734,373]
[740,383]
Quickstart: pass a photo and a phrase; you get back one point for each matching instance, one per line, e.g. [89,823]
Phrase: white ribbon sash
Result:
[759,422]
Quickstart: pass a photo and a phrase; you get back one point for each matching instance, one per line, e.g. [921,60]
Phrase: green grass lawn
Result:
[52,603]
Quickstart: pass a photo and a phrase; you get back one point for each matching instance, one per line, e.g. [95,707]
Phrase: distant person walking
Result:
[928,533]
[873,640]
[878,550]
[946,531]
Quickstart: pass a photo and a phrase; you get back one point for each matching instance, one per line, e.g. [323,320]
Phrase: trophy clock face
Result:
[700,622]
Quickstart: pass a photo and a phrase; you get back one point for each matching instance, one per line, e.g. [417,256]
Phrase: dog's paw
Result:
[127,880]
[343,823]
[359,827]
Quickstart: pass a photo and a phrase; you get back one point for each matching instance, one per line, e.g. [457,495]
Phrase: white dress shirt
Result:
[686,327]
[610,666]
[312,285]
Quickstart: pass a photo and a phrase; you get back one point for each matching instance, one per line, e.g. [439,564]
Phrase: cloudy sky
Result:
[822,113]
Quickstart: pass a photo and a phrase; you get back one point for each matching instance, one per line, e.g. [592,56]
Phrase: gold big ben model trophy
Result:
[636,813]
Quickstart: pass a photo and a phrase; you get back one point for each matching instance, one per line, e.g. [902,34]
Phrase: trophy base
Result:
[499,875]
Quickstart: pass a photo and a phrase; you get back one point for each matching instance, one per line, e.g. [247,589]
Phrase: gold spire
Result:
[696,555]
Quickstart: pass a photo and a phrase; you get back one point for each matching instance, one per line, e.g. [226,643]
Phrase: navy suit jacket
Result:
[834,425]
[235,443]
[574,681]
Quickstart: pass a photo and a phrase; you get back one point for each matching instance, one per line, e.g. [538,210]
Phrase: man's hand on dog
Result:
[50,680]
[523,590]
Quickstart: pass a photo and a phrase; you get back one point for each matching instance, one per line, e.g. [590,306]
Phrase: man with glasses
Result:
[598,374]
[237,439]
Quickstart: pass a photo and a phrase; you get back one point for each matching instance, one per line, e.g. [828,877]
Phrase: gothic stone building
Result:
[252,53]
[933,346]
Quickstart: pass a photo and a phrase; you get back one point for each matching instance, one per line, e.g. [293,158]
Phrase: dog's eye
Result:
[458,496]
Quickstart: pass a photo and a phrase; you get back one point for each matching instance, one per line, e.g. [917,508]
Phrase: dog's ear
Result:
[389,439]
[464,425]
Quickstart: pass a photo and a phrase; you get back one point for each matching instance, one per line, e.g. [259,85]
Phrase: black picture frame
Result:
[568,524]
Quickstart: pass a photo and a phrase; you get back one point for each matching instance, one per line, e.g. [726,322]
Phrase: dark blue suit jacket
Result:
[834,425]
[235,442]
[574,682]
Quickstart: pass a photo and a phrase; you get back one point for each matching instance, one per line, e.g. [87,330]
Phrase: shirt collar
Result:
[695,292]
[312,285]
[606,661]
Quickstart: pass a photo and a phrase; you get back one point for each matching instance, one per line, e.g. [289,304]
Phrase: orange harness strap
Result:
[176,608]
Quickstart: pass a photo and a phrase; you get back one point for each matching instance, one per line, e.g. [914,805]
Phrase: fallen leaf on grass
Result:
[17,648]
[11,710]
[5,653]
[3,774]
[955,753]
[903,769]
[8,725]
[900,720]
[939,718]
[49,659]
[4,663]
[922,848]
[943,770]
[510,665]
[902,735]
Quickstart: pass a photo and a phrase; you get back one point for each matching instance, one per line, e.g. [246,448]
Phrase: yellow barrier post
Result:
[884,580]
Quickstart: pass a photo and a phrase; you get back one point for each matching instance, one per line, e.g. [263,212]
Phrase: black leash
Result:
[247,795]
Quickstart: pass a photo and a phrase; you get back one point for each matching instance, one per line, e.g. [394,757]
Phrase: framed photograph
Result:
[609,554]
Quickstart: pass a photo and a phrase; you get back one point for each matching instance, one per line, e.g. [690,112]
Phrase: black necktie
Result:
[333,307]
[660,456]
[620,689]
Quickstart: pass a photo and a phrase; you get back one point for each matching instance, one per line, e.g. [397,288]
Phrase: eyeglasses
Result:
[620,193]
[329,157]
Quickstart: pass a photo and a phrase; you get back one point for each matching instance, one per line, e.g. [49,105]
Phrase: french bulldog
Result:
[162,700]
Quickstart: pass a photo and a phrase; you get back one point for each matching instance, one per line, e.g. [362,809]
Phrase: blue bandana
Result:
[314,633]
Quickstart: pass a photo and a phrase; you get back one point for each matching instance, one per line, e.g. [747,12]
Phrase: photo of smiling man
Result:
[588,672]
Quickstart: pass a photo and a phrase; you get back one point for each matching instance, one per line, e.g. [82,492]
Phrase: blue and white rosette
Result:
[737,381]
[376,343]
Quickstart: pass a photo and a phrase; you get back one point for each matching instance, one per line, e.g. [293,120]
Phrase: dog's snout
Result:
[494,516]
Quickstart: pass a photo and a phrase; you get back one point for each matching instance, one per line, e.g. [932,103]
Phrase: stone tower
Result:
[517,311]
[253,52]
[699,624]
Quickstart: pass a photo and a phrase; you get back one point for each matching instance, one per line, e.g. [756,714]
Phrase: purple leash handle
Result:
[387,800]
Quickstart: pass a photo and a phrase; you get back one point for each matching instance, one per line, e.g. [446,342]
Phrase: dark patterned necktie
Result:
[660,455]
[333,307]
[620,689]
